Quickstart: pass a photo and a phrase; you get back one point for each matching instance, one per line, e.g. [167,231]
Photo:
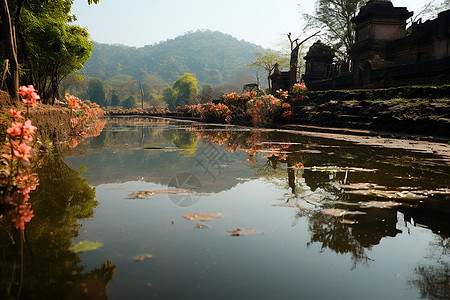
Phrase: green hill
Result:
[213,57]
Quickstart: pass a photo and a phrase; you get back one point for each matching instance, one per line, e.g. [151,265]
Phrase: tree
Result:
[170,97]
[187,90]
[19,44]
[335,17]
[12,78]
[115,101]
[96,92]
[431,9]
[267,60]
[130,102]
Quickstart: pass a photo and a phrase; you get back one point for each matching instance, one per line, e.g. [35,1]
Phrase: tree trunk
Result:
[12,80]
[293,67]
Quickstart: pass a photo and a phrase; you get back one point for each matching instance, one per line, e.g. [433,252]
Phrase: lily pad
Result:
[202,217]
[141,257]
[85,246]
[240,232]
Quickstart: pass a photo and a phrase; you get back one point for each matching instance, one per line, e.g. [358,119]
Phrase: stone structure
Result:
[318,62]
[385,53]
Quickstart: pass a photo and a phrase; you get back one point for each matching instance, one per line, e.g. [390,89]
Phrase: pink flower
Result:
[23,215]
[29,95]
[22,151]
[15,129]
[16,114]
[28,130]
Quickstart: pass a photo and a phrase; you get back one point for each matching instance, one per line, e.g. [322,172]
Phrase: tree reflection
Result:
[433,280]
[331,233]
[39,264]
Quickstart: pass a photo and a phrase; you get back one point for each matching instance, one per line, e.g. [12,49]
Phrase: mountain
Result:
[213,57]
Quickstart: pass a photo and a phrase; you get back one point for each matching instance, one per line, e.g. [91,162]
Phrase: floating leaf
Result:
[141,257]
[202,217]
[350,222]
[146,194]
[336,212]
[409,196]
[380,204]
[200,226]
[85,246]
[239,232]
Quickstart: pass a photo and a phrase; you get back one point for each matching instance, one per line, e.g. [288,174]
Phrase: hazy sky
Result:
[145,22]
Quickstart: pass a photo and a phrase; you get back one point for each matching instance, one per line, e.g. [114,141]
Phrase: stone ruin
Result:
[385,53]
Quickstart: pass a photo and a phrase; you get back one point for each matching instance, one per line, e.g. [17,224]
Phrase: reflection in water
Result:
[38,264]
[316,184]
[379,198]
[433,278]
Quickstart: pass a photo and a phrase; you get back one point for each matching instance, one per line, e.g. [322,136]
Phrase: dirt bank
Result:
[52,122]
[413,110]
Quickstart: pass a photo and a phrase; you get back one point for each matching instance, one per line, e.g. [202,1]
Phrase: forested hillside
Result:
[213,57]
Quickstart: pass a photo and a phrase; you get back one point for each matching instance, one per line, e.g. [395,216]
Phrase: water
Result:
[287,187]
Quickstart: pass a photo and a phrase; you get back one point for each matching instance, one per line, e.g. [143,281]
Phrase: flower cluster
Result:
[190,110]
[219,113]
[29,95]
[86,118]
[249,108]
[16,179]
[300,92]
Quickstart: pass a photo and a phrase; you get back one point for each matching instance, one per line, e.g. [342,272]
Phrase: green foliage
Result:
[96,92]
[267,60]
[115,101]
[130,102]
[49,49]
[335,17]
[213,57]
[186,88]
[170,96]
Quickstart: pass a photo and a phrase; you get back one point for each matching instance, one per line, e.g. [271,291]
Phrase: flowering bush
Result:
[86,118]
[248,107]
[219,113]
[190,110]
[300,92]
[16,179]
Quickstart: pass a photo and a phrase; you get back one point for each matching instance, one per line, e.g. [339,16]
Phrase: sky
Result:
[146,22]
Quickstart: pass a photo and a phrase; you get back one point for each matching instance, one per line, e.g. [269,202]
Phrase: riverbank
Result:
[392,110]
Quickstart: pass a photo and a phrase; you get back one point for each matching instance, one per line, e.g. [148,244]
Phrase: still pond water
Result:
[326,219]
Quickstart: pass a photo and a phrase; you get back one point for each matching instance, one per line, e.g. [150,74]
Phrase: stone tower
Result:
[377,23]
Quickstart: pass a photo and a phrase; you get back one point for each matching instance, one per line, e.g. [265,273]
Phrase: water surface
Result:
[333,220]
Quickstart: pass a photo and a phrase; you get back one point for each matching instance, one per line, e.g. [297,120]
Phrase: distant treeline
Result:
[214,58]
